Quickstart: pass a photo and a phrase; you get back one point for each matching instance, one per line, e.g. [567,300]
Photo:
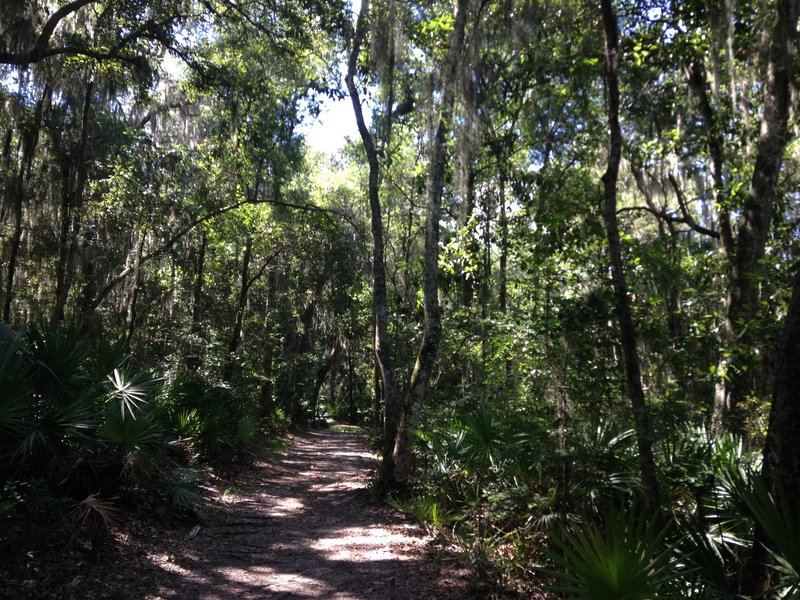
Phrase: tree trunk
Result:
[502,276]
[377,397]
[743,313]
[197,289]
[564,471]
[30,141]
[380,302]
[71,206]
[241,305]
[267,384]
[781,464]
[193,361]
[322,373]
[352,409]
[468,276]
[130,310]
[420,377]
[622,302]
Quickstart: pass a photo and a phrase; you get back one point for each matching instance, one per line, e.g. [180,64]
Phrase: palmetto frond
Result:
[130,390]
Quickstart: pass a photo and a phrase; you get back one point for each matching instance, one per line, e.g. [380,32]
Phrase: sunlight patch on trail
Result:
[357,544]
[286,506]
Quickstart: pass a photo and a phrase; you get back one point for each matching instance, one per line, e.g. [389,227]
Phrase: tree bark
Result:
[468,275]
[267,383]
[193,361]
[71,206]
[30,141]
[502,271]
[130,310]
[380,302]
[197,289]
[241,305]
[325,368]
[622,301]
[741,322]
[781,464]
[352,409]
[426,357]
[377,398]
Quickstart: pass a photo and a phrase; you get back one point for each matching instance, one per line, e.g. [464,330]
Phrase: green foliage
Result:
[130,391]
[626,559]
[119,187]
[49,402]
[131,434]
[781,525]
[183,489]
[210,416]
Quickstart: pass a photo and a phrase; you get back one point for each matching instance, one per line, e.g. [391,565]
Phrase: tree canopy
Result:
[555,273]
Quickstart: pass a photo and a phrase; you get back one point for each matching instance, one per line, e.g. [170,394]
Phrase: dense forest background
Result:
[556,273]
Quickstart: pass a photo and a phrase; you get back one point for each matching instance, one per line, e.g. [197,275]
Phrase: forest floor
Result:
[304,525]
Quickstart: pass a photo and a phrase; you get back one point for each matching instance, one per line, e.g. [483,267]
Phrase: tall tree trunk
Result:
[377,397]
[743,299]
[267,383]
[30,140]
[193,362]
[781,464]
[197,288]
[327,364]
[502,276]
[485,291]
[133,295]
[468,276]
[241,305]
[352,409]
[379,296]
[420,377]
[622,302]
[71,206]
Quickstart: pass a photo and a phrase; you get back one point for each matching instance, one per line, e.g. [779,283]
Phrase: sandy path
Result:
[306,528]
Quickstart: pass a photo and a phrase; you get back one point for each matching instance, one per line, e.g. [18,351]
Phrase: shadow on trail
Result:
[308,530]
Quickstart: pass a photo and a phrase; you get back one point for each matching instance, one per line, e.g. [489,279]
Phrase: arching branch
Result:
[687,216]
[40,48]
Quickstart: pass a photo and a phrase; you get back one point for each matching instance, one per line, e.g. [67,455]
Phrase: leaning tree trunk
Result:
[743,297]
[420,377]
[380,301]
[622,302]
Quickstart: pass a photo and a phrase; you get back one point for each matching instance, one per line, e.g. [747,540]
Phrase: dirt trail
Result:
[306,528]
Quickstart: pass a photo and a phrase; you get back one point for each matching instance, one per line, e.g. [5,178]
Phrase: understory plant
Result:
[490,483]
[81,424]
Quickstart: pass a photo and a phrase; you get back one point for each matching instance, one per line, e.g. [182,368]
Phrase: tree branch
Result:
[688,219]
[40,48]
[47,31]
[263,268]
[167,246]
